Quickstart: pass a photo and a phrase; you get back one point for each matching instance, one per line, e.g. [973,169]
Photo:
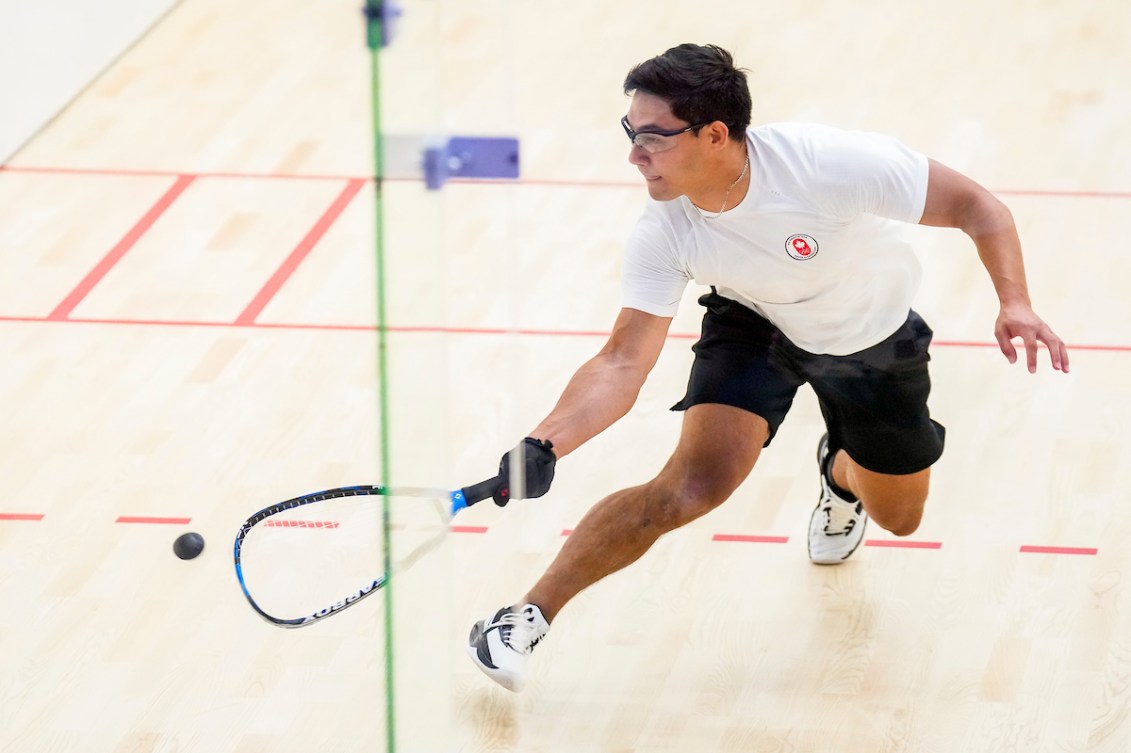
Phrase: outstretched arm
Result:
[953,200]
[606,386]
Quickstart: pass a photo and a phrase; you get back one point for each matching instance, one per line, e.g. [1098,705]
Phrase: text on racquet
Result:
[308,558]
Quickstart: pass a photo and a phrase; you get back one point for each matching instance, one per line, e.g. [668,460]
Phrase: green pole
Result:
[374,40]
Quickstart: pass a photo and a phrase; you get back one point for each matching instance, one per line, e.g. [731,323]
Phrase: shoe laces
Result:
[842,516]
[518,631]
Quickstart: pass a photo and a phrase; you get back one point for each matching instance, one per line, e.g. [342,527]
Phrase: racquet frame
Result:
[455,501]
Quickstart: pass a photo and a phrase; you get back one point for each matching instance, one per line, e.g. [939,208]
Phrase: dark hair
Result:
[699,83]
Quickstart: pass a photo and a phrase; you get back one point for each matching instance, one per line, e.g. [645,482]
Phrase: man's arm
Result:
[606,386]
[953,200]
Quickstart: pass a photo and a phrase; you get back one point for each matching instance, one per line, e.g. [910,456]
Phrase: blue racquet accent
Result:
[459,501]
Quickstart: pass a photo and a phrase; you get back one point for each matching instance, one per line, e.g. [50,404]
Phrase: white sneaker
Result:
[836,527]
[500,645]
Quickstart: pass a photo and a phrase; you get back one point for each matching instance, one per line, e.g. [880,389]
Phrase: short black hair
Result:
[699,83]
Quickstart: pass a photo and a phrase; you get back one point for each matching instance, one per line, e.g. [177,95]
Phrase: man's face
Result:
[673,172]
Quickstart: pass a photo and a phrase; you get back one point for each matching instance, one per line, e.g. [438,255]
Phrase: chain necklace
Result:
[726,196]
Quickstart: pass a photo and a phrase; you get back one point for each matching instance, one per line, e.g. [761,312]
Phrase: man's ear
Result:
[718,132]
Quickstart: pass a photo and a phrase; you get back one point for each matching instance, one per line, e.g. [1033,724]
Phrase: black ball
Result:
[188,545]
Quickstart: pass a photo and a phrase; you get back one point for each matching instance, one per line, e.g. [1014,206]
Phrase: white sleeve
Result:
[652,279]
[871,173]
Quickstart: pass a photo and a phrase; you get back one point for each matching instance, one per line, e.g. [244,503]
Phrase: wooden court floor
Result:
[187,315]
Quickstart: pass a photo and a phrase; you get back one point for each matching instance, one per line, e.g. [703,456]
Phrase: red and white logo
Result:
[801,247]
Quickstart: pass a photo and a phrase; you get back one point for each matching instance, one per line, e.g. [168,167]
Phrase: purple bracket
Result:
[387,12]
[470,157]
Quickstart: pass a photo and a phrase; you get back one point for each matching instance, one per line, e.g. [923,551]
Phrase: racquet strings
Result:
[304,559]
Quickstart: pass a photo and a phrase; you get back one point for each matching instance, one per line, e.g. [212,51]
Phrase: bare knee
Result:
[894,502]
[899,515]
[904,526]
[672,503]
[718,445]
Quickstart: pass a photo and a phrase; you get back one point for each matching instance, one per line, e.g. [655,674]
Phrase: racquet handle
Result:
[482,490]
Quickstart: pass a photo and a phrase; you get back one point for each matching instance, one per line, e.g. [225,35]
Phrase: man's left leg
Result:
[875,461]
[894,502]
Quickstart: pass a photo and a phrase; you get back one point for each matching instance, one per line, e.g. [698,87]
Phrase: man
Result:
[792,227]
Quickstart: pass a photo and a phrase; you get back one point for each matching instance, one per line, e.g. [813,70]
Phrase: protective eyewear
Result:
[655,141]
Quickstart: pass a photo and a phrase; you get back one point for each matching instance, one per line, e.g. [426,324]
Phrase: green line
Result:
[374,43]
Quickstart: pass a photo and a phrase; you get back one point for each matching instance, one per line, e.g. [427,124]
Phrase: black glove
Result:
[538,470]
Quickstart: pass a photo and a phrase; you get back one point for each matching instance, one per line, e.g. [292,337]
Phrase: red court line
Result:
[138,173]
[218,175]
[888,544]
[1064,194]
[299,326]
[1058,550]
[503,331]
[301,523]
[75,297]
[635,184]
[564,183]
[750,539]
[188,323]
[20,516]
[161,521]
[721,537]
[290,264]
[985,344]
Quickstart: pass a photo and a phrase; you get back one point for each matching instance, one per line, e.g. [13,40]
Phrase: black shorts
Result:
[874,402]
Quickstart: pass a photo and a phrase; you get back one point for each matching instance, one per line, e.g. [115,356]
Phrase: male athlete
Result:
[792,226]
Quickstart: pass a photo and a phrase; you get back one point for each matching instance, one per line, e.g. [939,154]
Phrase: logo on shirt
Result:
[801,247]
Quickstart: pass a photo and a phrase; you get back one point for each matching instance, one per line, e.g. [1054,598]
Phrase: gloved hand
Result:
[538,467]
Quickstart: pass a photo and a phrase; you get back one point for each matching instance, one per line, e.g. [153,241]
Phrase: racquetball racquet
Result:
[311,557]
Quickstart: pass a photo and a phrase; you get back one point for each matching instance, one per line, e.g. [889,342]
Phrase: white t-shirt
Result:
[812,246]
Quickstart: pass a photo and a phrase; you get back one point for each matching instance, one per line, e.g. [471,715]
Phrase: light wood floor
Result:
[157,367]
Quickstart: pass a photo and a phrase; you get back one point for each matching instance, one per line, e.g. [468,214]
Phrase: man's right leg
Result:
[718,447]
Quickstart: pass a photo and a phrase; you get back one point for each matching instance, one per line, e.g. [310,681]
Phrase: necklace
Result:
[726,196]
